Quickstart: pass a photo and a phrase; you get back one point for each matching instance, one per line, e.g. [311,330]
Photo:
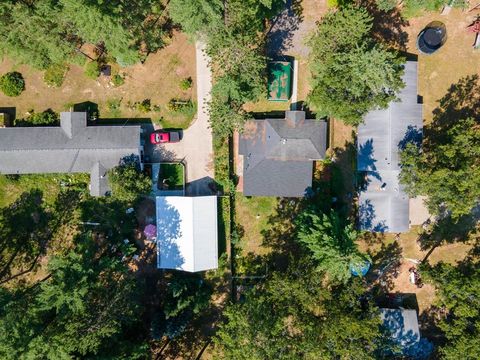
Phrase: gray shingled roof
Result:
[278,154]
[384,206]
[73,147]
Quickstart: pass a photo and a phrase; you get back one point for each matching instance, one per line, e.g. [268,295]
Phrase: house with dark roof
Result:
[383,203]
[276,156]
[72,147]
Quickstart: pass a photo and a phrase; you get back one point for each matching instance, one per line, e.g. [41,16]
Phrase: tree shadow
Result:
[388,25]
[386,263]
[462,101]
[280,236]
[24,233]
[284,25]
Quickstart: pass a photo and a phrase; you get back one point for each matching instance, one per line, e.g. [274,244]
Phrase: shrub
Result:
[186,83]
[118,80]
[114,107]
[47,117]
[386,5]
[92,69]
[55,75]
[12,84]
[144,106]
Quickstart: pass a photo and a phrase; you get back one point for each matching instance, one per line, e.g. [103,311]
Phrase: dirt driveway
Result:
[195,148]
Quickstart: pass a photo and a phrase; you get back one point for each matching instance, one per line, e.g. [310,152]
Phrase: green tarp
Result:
[279,80]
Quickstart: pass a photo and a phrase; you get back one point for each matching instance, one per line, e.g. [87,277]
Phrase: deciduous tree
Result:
[351,73]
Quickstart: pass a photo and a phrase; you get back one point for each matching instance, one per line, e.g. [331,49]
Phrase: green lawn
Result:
[172,175]
[252,215]
[11,187]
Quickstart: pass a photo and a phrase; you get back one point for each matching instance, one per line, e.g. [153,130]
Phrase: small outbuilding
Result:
[402,325]
[187,233]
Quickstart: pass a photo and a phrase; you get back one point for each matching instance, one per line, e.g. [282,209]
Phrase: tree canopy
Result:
[446,168]
[124,27]
[351,73]
[296,315]
[86,301]
[332,244]
[128,183]
[458,287]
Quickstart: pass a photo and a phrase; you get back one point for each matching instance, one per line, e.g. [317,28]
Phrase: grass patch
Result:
[171,176]
[12,186]
[252,214]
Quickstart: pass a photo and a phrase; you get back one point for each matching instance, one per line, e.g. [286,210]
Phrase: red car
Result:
[161,137]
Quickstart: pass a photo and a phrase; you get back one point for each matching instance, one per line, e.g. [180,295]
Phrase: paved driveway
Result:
[195,149]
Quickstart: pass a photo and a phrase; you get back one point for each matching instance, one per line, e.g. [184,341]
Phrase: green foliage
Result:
[124,27]
[128,183]
[196,15]
[186,294]
[22,232]
[55,74]
[84,305]
[458,289]
[44,118]
[114,107]
[447,170]
[12,84]
[186,83]
[412,8]
[118,80]
[386,5]
[144,106]
[332,244]
[92,70]
[293,316]
[351,74]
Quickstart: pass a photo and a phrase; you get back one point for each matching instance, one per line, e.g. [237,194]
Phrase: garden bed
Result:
[172,177]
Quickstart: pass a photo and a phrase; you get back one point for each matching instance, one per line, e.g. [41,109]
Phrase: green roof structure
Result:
[279,80]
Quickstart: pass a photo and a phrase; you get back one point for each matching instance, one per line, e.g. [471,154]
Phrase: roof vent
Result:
[284,141]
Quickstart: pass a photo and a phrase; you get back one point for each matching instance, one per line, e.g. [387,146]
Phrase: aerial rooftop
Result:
[278,154]
[72,147]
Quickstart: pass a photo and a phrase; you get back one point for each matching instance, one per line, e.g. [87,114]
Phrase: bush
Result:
[114,107]
[92,70]
[118,80]
[186,83]
[386,5]
[55,75]
[12,84]
[145,106]
[47,117]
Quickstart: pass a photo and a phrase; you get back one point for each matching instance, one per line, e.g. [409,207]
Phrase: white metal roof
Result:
[187,233]
[383,204]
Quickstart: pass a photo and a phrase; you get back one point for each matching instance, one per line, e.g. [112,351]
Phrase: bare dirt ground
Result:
[157,79]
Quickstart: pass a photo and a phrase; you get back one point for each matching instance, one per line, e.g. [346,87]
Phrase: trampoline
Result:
[360,269]
[432,37]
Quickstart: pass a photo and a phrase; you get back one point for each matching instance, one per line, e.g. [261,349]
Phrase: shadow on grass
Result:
[388,26]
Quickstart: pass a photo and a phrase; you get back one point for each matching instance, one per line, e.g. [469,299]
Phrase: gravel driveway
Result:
[195,149]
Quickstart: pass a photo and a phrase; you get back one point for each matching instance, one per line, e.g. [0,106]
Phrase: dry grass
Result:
[158,79]
[456,59]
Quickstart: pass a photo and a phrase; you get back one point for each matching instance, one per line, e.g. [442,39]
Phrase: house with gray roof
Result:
[383,204]
[72,147]
[278,154]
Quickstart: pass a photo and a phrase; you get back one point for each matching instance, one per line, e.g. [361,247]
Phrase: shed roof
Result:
[187,235]
[383,203]
[402,325]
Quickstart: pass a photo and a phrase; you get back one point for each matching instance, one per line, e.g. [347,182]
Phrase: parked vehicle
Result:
[162,137]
